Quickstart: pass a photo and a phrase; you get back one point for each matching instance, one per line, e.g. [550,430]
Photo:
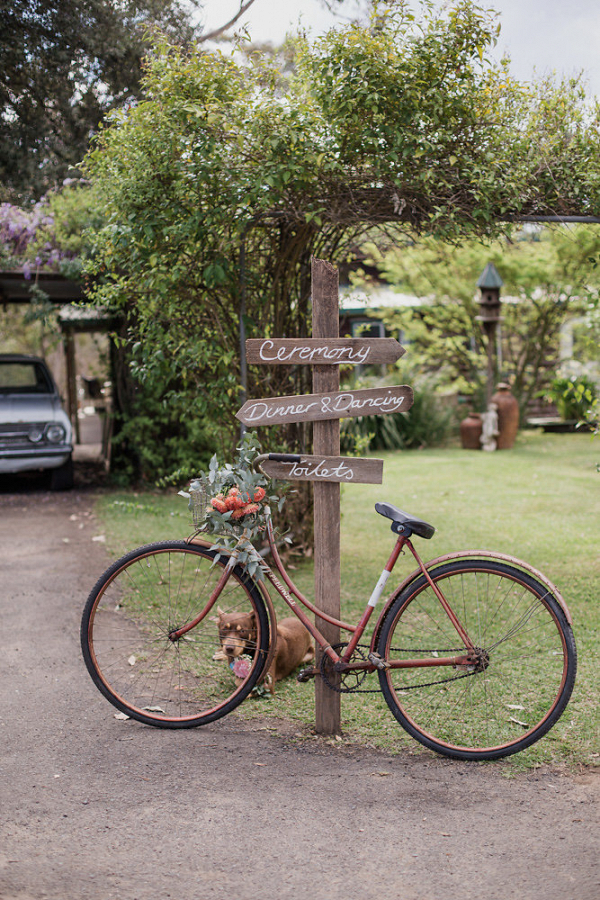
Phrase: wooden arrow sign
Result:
[327,468]
[320,407]
[323,351]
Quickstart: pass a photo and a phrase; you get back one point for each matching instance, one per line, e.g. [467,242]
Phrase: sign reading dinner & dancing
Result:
[320,407]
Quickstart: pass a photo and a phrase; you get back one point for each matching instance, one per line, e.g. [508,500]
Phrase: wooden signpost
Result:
[325,352]
[333,352]
[322,407]
[328,468]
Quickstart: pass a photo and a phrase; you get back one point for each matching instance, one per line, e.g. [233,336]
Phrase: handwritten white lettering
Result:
[262,410]
[350,354]
[348,402]
[314,407]
[313,470]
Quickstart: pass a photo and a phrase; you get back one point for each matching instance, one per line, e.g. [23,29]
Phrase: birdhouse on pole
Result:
[489,284]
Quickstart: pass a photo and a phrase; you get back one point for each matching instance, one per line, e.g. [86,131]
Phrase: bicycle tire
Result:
[141,599]
[528,681]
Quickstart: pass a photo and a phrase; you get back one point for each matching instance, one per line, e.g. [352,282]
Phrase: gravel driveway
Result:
[93,808]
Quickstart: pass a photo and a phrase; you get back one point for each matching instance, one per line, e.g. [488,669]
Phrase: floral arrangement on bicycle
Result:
[231,502]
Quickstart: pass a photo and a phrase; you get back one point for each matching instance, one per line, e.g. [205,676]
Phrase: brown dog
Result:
[237,635]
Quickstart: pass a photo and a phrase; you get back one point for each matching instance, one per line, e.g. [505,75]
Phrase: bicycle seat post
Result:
[374,598]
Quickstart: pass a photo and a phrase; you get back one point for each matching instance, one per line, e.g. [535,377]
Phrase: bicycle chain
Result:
[411,687]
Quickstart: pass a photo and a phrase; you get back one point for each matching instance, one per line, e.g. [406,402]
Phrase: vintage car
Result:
[35,431]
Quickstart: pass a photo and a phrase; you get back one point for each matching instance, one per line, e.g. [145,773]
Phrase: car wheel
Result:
[61,479]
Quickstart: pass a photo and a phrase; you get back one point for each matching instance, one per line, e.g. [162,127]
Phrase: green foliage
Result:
[427,423]
[47,237]
[223,181]
[52,234]
[64,65]
[573,397]
[231,503]
[548,275]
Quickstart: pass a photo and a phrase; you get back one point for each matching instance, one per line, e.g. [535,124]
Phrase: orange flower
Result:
[247,510]
[234,500]
[259,494]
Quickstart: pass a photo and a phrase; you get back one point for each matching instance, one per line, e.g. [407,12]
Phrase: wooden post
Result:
[326,441]
[69,344]
[325,352]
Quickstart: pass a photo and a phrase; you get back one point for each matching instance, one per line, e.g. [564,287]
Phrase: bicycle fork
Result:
[227,570]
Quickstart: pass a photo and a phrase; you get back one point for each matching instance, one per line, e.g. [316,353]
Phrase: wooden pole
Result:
[326,441]
[69,344]
[490,331]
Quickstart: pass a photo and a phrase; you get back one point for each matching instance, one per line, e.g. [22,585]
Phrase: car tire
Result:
[61,479]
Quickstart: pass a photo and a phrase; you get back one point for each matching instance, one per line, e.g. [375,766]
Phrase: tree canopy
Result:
[220,184]
[548,275]
[64,64]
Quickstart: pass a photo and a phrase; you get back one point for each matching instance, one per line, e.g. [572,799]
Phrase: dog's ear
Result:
[221,611]
[214,619]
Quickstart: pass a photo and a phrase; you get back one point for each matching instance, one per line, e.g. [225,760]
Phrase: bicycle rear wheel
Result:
[142,599]
[528,660]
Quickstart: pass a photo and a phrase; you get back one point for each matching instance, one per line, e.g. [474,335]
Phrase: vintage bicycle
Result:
[473,651]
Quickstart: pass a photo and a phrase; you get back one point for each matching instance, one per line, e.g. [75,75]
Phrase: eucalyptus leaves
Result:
[235,504]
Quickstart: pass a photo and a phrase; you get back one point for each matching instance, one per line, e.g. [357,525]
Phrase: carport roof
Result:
[15,287]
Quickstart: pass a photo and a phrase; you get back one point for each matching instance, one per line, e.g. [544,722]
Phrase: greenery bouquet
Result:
[231,501]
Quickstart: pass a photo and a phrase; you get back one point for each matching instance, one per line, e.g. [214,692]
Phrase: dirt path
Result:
[93,808]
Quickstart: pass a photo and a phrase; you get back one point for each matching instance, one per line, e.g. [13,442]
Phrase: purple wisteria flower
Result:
[20,229]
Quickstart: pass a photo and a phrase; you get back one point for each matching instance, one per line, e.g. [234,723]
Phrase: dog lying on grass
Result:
[237,636]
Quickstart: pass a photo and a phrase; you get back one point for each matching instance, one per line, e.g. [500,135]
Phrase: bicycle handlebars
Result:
[276,457]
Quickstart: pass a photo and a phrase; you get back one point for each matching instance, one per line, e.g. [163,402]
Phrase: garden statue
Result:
[490,427]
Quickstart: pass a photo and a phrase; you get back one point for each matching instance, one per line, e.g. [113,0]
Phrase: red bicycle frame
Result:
[342,663]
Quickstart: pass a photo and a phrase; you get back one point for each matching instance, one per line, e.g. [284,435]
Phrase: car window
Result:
[24,378]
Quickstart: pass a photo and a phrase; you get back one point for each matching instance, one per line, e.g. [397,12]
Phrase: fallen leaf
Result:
[154,709]
[131,660]
[101,538]
[518,722]
[381,774]
[121,717]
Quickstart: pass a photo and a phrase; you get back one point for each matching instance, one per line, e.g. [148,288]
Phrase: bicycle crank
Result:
[343,682]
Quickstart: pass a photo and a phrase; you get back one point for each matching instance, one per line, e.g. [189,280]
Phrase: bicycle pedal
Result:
[378,661]
[306,674]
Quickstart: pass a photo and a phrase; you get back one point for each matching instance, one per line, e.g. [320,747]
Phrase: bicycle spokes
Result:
[511,686]
[129,644]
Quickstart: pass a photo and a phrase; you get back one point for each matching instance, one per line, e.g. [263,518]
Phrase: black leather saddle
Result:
[404,524]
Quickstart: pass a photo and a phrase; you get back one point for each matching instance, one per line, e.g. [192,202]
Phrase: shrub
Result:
[428,423]
[573,396]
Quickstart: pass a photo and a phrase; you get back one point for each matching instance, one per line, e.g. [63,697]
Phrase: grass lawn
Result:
[539,501]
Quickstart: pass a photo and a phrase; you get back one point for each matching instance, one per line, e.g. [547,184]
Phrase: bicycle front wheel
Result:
[527,660]
[125,636]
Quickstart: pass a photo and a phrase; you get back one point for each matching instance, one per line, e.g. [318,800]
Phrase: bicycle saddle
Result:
[404,524]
